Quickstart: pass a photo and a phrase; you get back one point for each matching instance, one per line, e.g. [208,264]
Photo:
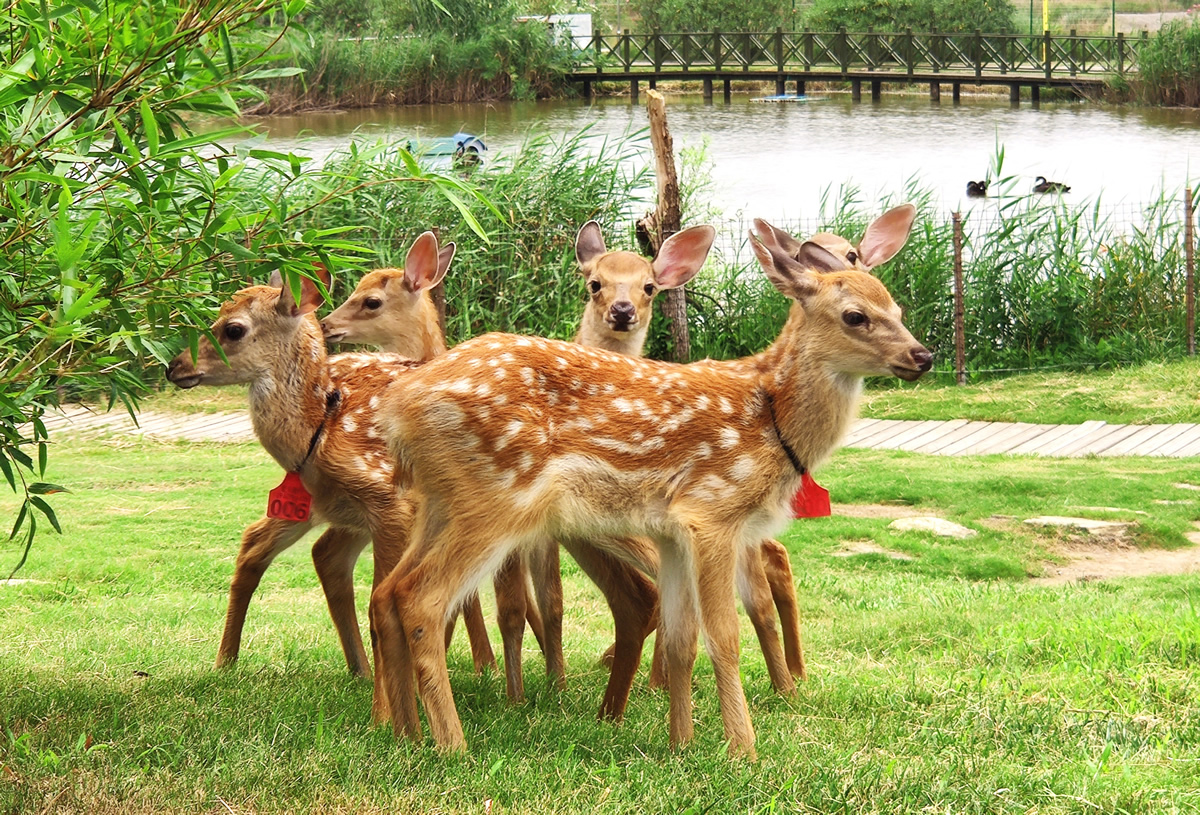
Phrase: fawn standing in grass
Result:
[306,410]
[622,286]
[512,442]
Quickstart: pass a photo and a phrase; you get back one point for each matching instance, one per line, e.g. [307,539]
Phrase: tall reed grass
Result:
[1048,283]
[1169,65]
[516,61]
[523,279]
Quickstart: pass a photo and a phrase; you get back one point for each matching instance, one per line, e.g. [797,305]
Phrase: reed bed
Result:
[1049,283]
[509,62]
[1169,66]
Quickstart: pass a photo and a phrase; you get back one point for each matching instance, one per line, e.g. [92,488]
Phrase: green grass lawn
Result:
[944,683]
[1161,392]
[1146,394]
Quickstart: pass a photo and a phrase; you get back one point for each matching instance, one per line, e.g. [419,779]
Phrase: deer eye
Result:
[594,286]
[235,331]
[650,289]
[852,257]
[854,318]
[373,303]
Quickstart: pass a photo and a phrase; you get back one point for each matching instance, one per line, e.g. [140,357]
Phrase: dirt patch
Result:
[890,511]
[852,548]
[1102,557]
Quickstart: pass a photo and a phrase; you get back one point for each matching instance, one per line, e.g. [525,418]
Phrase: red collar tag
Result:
[289,501]
[811,500]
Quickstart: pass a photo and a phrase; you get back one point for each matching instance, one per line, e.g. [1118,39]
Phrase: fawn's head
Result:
[849,314]
[885,237]
[256,329]
[622,285]
[386,307]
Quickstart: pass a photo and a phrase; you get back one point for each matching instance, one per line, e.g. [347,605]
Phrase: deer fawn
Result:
[391,309]
[299,397]
[622,286]
[512,442]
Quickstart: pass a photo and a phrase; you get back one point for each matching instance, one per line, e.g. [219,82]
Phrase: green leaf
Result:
[8,470]
[43,488]
[24,511]
[46,510]
[150,124]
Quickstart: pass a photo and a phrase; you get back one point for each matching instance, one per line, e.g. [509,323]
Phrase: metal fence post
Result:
[960,342]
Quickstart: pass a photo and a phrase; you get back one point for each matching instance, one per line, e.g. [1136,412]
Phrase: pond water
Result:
[773,160]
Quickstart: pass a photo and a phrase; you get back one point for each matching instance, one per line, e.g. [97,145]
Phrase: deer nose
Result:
[922,358]
[622,312]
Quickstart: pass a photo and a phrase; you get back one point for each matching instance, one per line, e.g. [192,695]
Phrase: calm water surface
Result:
[773,160]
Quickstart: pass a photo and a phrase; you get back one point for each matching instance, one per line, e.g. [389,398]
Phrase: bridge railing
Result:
[909,52]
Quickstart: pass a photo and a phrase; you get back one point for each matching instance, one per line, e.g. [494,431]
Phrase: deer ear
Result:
[422,266]
[886,235]
[682,255]
[589,244]
[445,255]
[786,274]
[787,243]
[275,281]
[311,298]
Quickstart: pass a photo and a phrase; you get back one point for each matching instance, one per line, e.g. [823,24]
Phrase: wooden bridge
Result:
[1078,63]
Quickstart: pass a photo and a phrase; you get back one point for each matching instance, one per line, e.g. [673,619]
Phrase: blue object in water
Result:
[786,97]
[461,148]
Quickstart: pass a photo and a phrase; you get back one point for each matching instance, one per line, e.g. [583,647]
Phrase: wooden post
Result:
[935,92]
[1189,253]
[667,217]
[960,341]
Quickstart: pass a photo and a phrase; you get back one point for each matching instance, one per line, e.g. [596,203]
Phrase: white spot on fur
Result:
[349,425]
[511,431]
[704,450]
[726,405]
[702,402]
[373,403]
[729,437]
[742,469]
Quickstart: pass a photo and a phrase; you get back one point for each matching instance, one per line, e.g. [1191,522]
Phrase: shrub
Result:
[990,16]
[706,15]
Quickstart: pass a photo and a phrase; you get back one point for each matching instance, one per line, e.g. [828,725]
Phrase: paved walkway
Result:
[953,438]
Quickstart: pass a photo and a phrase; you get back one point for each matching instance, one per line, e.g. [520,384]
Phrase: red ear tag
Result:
[289,501]
[811,500]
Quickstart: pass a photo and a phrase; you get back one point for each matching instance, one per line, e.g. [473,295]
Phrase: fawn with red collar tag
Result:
[701,459]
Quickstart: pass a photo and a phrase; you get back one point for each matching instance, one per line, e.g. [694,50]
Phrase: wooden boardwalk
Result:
[950,438]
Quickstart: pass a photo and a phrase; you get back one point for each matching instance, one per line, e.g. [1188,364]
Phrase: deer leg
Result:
[631,598]
[678,630]
[658,657]
[756,597]
[456,557]
[261,542]
[477,634]
[547,584]
[533,616]
[778,568]
[393,662]
[510,588]
[334,555]
[715,564]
